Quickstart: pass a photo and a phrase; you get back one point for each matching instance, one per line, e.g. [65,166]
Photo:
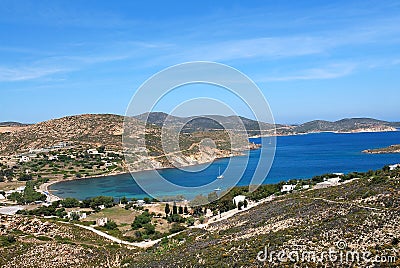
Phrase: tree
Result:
[110,225]
[147,200]
[74,216]
[70,202]
[190,221]
[149,228]
[174,209]
[240,205]
[176,227]
[25,177]
[124,200]
[180,210]
[101,149]
[141,220]
[245,203]
[167,209]
[201,219]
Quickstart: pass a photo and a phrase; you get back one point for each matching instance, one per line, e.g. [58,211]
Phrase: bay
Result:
[300,156]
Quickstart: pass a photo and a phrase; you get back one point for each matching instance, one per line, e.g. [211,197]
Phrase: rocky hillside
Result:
[90,129]
[206,122]
[344,125]
[359,216]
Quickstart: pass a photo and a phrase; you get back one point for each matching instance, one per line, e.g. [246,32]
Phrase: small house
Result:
[101,221]
[53,157]
[288,188]
[333,181]
[393,167]
[92,151]
[237,199]
[24,159]
[140,203]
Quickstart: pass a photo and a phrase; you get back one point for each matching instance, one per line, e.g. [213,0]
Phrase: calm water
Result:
[300,156]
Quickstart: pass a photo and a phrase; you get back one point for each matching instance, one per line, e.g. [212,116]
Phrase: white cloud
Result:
[325,72]
[22,74]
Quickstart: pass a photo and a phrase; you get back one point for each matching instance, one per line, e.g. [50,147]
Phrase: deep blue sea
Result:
[301,156]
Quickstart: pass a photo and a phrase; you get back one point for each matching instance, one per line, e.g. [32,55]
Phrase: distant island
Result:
[386,150]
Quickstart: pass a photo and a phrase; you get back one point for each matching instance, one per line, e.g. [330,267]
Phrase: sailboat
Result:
[220,176]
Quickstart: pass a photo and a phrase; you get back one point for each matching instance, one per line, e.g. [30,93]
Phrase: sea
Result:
[296,157]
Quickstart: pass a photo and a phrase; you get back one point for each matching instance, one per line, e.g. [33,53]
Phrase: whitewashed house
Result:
[307,186]
[82,215]
[2,197]
[101,221]
[108,164]
[393,167]
[53,157]
[333,181]
[140,202]
[24,159]
[92,151]
[237,199]
[288,188]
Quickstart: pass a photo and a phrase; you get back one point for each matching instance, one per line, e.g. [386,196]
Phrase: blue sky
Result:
[312,59]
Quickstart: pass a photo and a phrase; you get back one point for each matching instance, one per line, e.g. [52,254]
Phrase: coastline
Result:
[318,132]
[45,186]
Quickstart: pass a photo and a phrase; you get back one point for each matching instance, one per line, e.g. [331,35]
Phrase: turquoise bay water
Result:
[301,156]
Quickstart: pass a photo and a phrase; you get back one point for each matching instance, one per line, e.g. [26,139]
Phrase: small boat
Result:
[217,189]
[220,176]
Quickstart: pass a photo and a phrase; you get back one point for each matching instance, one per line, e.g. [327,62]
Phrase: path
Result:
[143,244]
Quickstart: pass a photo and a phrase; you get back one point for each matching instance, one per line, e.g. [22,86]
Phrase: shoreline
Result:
[318,132]
[45,186]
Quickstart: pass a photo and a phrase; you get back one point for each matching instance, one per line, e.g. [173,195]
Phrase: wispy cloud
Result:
[23,74]
[325,72]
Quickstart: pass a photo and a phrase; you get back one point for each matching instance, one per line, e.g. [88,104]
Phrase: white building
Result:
[238,198]
[92,151]
[307,186]
[2,197]
[288,188]
[82,215]
[53,157]
[24,159]
[101,221]
[108,164]
[333,181]
[393,167]
[140,203]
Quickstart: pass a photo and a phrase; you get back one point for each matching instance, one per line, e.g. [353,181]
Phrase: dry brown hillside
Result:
[93,129]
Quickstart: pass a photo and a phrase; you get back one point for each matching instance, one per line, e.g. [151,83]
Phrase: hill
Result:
[12,124]
[87,129]
[144,146]
[206,122]
[216,122]
[359,216]
[357,220]
[345,125]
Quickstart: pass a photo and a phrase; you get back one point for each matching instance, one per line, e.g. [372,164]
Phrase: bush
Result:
[176,227]
[110,225]
[141,220]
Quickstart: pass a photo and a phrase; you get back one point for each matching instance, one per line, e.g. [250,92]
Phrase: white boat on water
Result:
[217,189]
[220,176]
